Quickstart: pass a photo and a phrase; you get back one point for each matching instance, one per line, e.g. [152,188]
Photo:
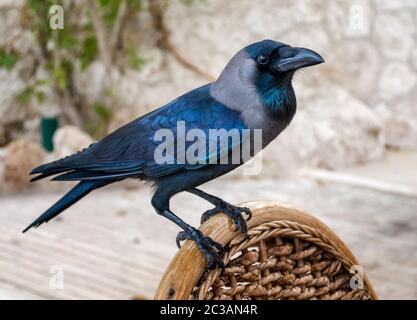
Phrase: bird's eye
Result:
[262,59]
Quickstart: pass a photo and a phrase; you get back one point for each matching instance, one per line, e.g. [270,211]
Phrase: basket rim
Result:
[188,265]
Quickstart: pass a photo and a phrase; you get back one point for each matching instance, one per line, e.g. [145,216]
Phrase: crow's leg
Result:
[207,246]
[235,213]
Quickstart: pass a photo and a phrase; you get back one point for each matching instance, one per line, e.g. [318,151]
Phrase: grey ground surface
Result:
[113,245]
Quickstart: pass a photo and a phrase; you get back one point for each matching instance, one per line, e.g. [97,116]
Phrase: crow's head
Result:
[276,59]
[262,73]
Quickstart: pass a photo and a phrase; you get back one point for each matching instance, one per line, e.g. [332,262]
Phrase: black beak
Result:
[301,58]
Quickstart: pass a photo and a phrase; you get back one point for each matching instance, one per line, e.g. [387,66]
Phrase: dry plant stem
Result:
[99,27]
[70,98]
[157,14]
[67,95]
[117,30]
[110,41]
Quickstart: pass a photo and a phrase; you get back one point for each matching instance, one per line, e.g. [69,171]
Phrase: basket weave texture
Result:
[288,254]
[281,260]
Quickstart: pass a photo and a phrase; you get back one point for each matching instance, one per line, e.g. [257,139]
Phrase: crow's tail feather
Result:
[71,197]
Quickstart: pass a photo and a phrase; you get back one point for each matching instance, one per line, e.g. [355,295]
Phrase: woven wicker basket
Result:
[288,255]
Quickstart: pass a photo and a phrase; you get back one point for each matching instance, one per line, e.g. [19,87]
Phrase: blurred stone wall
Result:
[362,101]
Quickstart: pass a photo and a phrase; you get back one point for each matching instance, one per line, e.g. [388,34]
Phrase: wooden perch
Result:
[289,255]
[157,14]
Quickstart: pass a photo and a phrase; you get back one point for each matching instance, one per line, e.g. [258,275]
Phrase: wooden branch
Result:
[157,14]
[69,109]
[188,265]
[101,33]
[187,63]
[119,23]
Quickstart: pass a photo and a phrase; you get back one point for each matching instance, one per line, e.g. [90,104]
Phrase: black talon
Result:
[206,245]
[248,213]
[215,244]
[235,213]
[208,214]
[181,236]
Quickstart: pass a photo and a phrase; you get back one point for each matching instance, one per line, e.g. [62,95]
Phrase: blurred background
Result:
[73,71]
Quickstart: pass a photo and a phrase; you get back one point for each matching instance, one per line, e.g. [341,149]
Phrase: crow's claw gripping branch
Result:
[207,246]
[235,213]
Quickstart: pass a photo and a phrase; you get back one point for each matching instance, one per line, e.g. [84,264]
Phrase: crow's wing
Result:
[111,156]
[130,150]
[199,111]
